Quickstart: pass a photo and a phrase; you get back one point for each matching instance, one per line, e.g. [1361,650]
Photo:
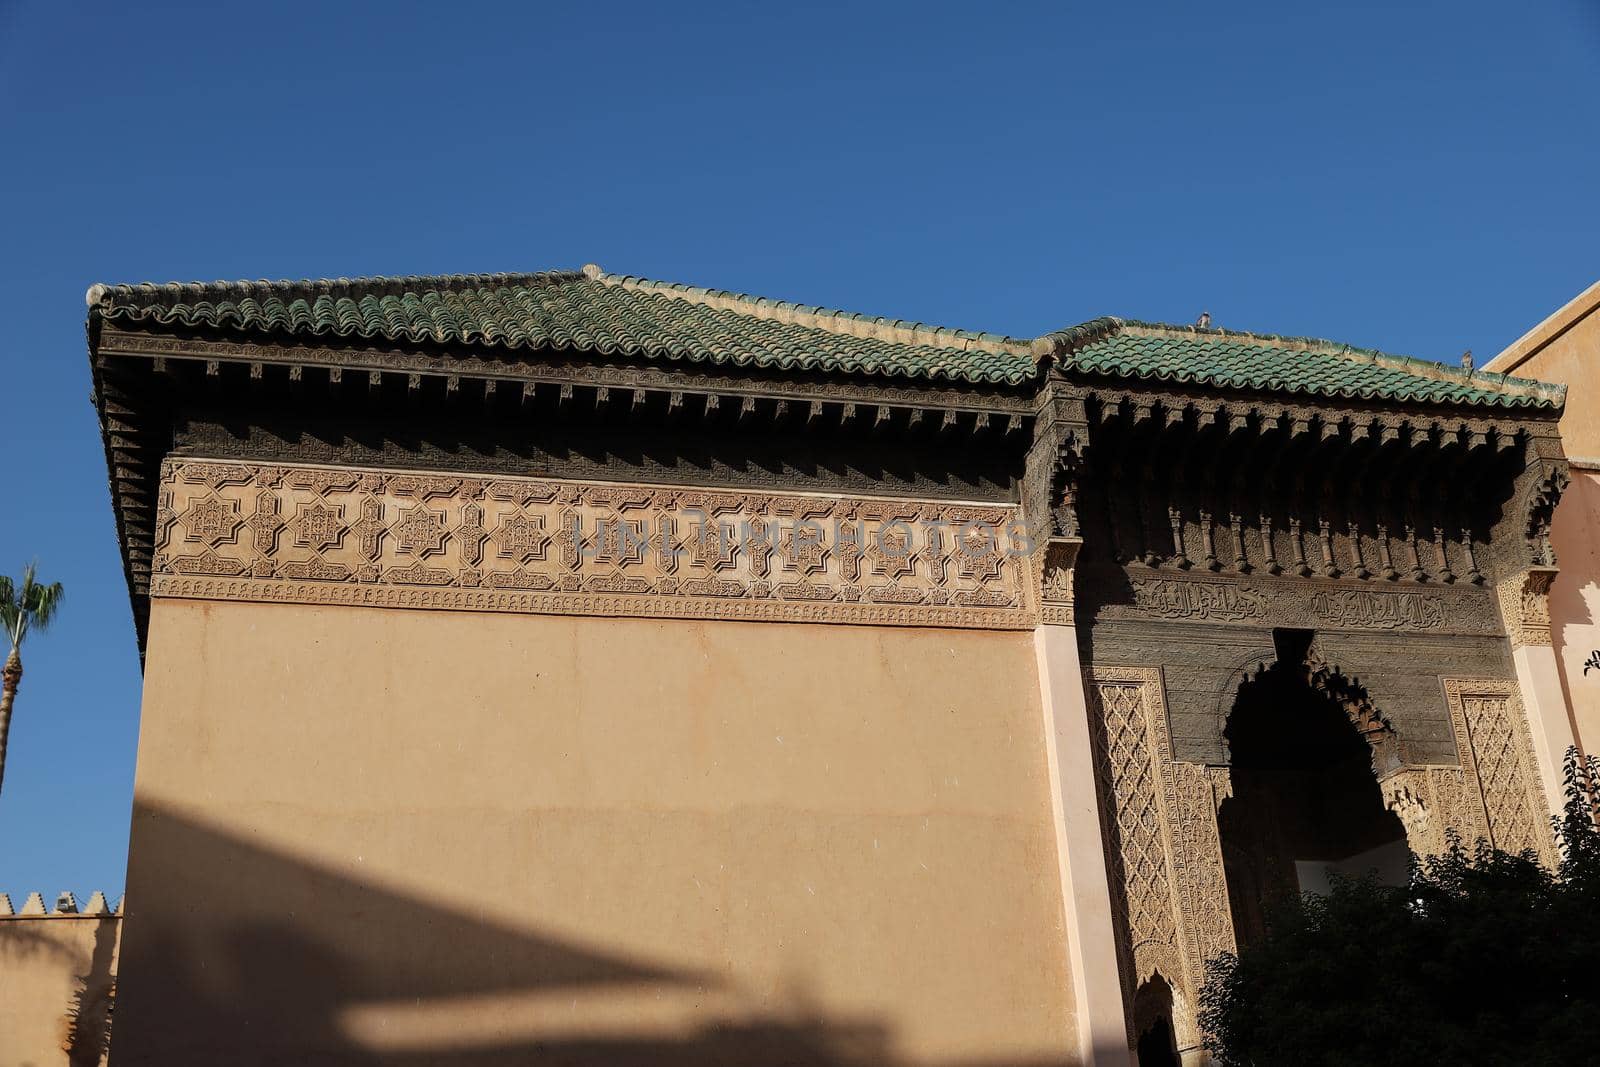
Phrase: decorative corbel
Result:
[1540,512]
[1525,605]
[1055,581]
[1054,466]
[1064,485]
[1050,498]
[1527,560]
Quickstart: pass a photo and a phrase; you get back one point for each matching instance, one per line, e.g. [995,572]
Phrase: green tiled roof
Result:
[622,316]
[1230,360]
[585,312]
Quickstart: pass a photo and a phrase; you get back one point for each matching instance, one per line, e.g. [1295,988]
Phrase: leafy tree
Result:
[25,607]
[1484,957]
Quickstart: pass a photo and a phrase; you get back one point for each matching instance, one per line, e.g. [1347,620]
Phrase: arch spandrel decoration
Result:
[1494,794]
[1496,752]
[1163,849]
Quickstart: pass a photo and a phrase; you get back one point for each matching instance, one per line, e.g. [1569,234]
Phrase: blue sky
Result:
[1415,177]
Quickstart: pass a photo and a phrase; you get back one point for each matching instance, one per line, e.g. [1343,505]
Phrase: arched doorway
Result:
[1155,1043]
[1306,805]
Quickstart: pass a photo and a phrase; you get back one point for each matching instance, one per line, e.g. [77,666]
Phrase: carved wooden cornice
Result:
[1318,454]
[555,372]
[1325,418]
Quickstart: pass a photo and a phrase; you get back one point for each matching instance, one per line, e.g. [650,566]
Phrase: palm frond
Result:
[44,602]
[10,608]
[27,605]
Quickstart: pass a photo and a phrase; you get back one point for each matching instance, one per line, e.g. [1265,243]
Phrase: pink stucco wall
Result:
[1575,603]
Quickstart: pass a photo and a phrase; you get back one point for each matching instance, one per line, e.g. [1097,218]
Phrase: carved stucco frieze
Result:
[1497,758]
[304,534]
[1163,849]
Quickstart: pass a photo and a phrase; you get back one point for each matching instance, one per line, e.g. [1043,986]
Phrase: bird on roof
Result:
[1204,321]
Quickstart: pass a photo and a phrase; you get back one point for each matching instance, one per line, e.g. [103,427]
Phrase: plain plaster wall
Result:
[391,836]
[1565,349]
[53,967]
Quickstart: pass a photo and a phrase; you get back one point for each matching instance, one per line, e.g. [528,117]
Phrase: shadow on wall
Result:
[258,957]
[89,1018]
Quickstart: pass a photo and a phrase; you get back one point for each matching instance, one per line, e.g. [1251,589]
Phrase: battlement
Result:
[66,907]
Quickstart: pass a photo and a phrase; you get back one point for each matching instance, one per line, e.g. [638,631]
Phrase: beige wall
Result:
[404,837]
[52,969]
[1565,349]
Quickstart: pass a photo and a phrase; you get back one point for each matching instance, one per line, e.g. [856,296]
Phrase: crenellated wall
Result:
[58,970]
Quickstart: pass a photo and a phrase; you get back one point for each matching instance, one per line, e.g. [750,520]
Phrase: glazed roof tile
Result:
[590,311]
[1232,360]
[571,311]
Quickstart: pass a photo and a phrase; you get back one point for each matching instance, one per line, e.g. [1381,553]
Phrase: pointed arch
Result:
[1308,751]
[1299,650]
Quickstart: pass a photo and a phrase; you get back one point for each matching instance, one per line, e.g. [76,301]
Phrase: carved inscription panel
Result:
[1309,603]
[304,534]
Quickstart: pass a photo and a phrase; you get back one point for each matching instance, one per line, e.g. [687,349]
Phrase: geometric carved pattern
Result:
[521,537]
[1497,754]
[1163,851]
[421,531]
[318,525]
[212,520]
[1140,862]
[403,539]
[1525,605]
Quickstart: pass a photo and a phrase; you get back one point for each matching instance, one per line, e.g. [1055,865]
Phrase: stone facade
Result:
[737,676]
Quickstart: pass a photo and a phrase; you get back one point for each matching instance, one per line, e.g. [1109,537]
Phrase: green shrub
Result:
[1484,958]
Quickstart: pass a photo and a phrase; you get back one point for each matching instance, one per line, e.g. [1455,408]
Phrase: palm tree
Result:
[23,607]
